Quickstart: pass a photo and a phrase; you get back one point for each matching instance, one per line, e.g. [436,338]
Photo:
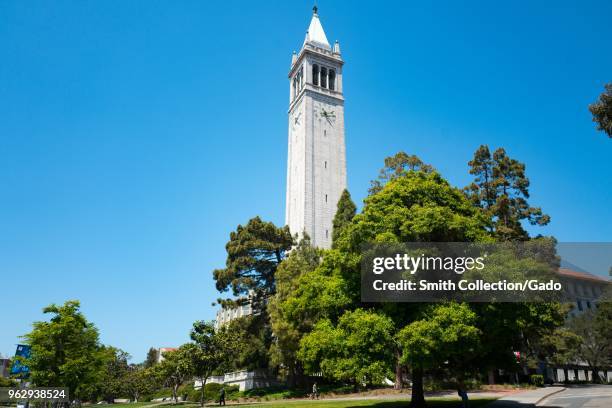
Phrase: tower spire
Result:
[315,33]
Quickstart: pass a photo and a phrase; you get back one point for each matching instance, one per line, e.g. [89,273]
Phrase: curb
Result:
[549,395]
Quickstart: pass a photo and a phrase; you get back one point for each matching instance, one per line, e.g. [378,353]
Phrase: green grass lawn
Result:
[128,405]
[374,403]
[356,403]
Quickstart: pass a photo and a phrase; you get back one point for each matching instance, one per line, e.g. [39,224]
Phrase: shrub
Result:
[211,392]
[537,380]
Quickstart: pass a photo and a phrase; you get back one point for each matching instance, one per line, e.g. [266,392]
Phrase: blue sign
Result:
[23,350]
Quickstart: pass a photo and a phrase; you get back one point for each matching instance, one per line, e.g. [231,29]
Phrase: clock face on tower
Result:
[296,118]
[328,115]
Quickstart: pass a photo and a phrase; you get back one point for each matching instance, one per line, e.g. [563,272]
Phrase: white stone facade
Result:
[226,315]
[245,380]
[316,166]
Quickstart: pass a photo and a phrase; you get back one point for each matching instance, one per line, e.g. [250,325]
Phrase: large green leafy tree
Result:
[176,368]
[415,206]
[357,350]
[345,212]
[602,111]
[113,375]
[419,206]
[140,381]
[66,351]
[445,336]
[288,331]
[254,252]
[210,351]
[501,189]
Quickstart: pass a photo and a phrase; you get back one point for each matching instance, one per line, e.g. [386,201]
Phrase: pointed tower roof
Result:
[315,33]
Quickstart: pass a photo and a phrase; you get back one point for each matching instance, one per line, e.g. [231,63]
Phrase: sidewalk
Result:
[525,399]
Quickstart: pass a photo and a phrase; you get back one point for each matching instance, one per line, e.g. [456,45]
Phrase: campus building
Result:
[583,291]
[227,314]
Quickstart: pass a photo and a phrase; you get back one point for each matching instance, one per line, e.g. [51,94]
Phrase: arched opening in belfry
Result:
[323,77]
[332,80]
[315,74]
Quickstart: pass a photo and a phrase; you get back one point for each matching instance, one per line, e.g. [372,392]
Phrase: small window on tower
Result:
[324,132]
[315,74]
[326,164]
[301,76]
[326,233]
[323,77]
[332,79]
[325,197]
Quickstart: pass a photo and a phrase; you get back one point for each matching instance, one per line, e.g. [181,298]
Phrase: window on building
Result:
[326,233]
[325,197]
[326,164]
[588,304]
[323,77]
[332,79]
[579,302]
[315,74]
[301,76]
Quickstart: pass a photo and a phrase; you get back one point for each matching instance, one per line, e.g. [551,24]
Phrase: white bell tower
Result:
[316,166]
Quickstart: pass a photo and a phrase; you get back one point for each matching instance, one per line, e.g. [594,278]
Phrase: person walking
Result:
[222,396]
[462,392]
[315,391]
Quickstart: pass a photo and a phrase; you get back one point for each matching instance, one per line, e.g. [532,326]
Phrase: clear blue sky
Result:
[135,135]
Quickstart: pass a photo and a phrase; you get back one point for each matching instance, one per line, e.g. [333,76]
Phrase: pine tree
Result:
[602,111]
[254,251]
[501,190]
[151,359]
[345,212]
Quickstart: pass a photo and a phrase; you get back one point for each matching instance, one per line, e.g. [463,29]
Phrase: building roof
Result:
[315,34]
[569,273]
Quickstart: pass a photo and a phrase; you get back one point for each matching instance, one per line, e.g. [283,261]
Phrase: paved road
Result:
[590,396]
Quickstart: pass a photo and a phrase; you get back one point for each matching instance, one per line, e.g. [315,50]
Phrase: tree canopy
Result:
[359,349]
[288,331]
[602,111]
[66,351]
[396,166]
[345,212]
[210,351]
[254,252]
[501,189]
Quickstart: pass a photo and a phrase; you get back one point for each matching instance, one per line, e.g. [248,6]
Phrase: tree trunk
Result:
[595,377]
[292,376]
[203,385]
[491,375]
[175,392]
[398,371]
[418,396]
